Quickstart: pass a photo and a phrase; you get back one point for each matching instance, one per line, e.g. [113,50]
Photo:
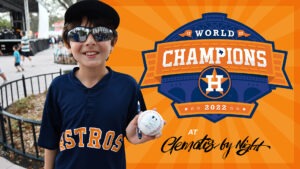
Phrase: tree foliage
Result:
[4,24]
[56,9]
[56,6]
[65,3]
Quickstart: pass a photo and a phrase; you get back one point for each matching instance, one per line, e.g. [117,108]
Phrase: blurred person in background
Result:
[25,47]
[2,75]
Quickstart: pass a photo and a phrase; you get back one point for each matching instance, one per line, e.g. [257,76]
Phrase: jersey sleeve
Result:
[51,123]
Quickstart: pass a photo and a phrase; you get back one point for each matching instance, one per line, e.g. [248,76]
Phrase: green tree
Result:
[53,19]
[66,3]
[4,24]
[57,7]
[56,10]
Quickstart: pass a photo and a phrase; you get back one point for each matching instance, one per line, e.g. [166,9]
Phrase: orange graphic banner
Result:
[233,55]
[275,121]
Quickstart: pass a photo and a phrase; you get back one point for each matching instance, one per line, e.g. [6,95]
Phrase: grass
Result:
[30,107]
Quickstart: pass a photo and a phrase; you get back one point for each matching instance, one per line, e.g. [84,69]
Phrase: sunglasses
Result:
[80,34]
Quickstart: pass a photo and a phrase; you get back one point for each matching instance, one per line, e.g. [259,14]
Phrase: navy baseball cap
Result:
[93,9]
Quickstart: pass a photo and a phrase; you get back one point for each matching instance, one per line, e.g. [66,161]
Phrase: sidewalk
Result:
[42,63]
[5,164]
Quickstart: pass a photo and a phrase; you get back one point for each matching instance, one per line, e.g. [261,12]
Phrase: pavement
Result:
[42,62]
[5,164]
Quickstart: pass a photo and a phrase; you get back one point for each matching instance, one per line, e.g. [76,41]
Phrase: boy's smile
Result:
[91,54]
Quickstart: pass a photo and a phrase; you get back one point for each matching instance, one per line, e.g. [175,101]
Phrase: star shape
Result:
[214,78]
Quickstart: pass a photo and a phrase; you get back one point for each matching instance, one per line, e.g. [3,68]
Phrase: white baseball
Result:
[150,122]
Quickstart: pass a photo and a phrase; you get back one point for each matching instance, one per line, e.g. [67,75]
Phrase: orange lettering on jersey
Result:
[118,143]
[108,140]
[61,143]
[70,143]
[94,139]
[80,131]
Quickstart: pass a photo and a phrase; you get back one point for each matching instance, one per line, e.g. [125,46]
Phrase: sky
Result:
[5,15]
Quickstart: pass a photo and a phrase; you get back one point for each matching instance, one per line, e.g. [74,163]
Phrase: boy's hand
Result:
[131,133]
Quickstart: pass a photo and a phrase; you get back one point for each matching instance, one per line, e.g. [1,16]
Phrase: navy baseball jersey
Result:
[87,125]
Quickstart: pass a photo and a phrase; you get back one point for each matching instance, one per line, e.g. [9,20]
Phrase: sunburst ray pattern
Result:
[143,23]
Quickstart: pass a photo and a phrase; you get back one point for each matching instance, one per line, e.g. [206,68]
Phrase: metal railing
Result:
[14,130]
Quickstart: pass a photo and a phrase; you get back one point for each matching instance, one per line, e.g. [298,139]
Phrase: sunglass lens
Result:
[80,34]
[77,35]
[102,36]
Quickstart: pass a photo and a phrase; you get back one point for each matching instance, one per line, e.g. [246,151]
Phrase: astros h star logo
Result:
[214,82]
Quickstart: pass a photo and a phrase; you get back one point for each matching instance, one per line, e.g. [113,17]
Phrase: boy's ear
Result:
[67,45]
[69,50]
[114,41]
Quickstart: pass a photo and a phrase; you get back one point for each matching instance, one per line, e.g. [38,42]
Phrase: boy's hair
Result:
[97,14]
[15,47]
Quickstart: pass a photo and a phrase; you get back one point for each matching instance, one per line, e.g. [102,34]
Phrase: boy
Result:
[2,74]
[60,54]
[25,47]
[89,111]
[17,58]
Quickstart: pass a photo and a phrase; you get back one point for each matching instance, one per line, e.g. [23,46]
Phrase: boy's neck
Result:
[90,77]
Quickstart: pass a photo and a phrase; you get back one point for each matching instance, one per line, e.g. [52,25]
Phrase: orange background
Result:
[276,120]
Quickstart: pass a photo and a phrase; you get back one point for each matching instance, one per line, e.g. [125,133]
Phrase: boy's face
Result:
[90,53]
